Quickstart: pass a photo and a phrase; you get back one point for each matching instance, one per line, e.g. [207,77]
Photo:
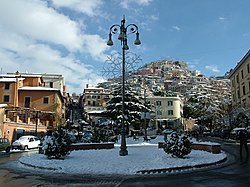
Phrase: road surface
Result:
[234,173]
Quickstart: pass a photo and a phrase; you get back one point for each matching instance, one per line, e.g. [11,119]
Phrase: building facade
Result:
[168,112]
[94,102]
[240,83]
[31,107]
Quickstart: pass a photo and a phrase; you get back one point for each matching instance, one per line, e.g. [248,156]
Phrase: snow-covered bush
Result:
[56,146]
[177,146]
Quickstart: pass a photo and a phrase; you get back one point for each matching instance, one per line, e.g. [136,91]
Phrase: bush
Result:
[56,146]
[177,146]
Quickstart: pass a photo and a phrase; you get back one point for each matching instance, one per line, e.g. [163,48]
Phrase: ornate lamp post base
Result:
[123,149]
[123,152]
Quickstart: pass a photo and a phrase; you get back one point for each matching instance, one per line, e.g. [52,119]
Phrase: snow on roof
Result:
[11,79]
[38,88]
[95,88]
[96,111]
[3,105]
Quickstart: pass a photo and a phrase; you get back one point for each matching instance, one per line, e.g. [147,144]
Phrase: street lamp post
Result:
[37,117]
[123,31]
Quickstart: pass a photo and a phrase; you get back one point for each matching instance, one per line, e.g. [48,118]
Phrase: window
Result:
[248,68]
[243,90]
[233,83]
[170,112]
[158,103]
[233,97]
[46,100]
[31,140]
[27,101]
[242,74]
[237,78]
[6,98]
[170,103]
[238,94]
[51,85]
[7,86]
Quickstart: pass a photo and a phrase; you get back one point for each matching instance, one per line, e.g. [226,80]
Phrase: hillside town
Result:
[175,97]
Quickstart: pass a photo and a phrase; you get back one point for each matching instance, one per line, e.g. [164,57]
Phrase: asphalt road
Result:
[235,172]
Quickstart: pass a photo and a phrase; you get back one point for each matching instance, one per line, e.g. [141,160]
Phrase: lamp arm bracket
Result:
[115,28]
[131,28]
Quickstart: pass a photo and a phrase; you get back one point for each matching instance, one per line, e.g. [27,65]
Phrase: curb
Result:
[37,167]
[179,169]
[152,171]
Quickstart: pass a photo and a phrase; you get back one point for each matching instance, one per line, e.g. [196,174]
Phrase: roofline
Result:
[239,64]
[50,90]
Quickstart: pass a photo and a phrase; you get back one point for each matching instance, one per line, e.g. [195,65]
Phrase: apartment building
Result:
[48,80]
[168,111]
[240,83]
[94,102]
[30,106]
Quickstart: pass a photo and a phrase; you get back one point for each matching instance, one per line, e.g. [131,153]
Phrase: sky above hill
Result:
[68,37]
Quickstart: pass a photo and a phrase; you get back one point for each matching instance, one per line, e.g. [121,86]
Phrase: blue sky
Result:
[69,37]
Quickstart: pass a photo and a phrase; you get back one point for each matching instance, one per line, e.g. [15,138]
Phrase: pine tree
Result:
[177,146]
[132,105]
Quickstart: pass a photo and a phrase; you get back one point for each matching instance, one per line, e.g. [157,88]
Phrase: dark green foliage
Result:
[132,105]
[177,146]
[101,135]
[56,146]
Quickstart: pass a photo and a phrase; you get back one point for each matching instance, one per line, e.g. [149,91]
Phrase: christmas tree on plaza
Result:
[133,107]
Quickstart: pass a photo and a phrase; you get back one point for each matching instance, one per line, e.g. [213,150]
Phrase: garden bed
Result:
[214,148]
[88,146]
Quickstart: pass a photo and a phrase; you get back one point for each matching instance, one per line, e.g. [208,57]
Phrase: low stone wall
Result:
[87,146]
[212,148]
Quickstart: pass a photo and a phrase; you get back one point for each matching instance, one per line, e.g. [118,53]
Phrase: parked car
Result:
[26,142]
[206,132]
[234,134]
[5,145]
[215,132]
[248,129]
[224,133]
[87,137]
[168,131]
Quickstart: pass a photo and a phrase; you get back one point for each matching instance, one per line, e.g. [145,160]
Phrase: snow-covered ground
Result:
[141,156]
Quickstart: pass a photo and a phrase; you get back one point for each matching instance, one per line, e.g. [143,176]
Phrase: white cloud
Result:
[212,68]
[126,3]
[221,18]
[176,28]
[90,8]
[95,45]
[35,20]
[154,17]
[38,39]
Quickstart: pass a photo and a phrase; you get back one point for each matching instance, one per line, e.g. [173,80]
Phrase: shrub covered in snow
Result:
[56,146]
[177,146]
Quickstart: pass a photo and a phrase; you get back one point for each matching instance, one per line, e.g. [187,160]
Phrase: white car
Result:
[26,142]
